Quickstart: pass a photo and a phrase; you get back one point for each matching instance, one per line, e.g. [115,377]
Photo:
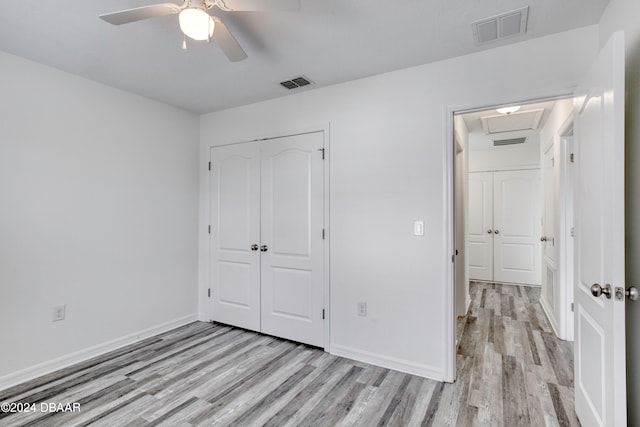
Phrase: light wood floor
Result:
[511,371]
[511,368]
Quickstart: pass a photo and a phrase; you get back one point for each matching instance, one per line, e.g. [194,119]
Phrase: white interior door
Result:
[480,232]
[549,248]
[292,238]
[516,221]
[549,213]
[600,383]
[235,229]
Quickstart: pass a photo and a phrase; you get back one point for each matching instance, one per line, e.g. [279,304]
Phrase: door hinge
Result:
[209,229]
[323,314]
[209,292]
[322,150]
[572,158]
[572,232]
[323,234]
[209,165]
[572,307]
[453,258]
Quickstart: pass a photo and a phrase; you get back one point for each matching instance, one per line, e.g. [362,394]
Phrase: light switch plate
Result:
[418,228]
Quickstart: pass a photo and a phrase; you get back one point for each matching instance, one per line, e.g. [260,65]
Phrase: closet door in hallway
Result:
[480,236]
[516,221]
[504,226]
[267,237]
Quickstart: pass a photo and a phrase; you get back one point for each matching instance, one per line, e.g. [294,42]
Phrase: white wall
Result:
[525,156]
[387,160]
[623,15]
[99,194]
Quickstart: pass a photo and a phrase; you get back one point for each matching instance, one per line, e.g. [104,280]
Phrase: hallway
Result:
[511,368]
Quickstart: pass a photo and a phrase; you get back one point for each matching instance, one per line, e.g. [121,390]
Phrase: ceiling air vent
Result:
[511,141]
[296,82]
[501,26]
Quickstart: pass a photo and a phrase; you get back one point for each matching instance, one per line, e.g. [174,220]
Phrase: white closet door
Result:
[292,244]
[235,227]
[480,234]
[516,220]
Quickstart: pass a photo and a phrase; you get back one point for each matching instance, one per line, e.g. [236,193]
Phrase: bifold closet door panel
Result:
[235,235]
[480,227]
[292,206]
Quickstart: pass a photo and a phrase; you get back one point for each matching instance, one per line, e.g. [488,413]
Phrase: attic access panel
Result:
[518,121]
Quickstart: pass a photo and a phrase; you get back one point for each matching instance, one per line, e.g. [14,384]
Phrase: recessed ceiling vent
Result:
[296,82]
[501,26]
[510,141]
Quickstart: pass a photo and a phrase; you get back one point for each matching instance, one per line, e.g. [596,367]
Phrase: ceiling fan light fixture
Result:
[506,110]
[196,23]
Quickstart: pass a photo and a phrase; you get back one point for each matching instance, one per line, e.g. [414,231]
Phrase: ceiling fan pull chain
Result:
[184,42]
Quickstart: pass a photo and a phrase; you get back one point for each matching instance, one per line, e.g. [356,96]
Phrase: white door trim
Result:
[205,313]
[565,226]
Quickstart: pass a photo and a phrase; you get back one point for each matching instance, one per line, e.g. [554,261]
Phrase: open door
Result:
[600,365]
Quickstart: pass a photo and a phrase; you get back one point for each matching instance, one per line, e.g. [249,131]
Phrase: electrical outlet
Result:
[362,309]
[59,312]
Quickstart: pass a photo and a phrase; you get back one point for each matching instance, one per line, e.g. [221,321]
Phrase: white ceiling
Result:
[328,41]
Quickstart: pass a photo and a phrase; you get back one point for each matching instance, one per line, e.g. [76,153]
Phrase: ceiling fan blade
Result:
[227,42]
[259,5]
[140,13]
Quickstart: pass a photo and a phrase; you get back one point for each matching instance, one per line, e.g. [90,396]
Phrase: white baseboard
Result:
[49,366]
[408,367]
[549,313]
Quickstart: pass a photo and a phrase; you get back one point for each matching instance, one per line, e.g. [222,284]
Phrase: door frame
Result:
[565,228]
[448,261]
[204,306]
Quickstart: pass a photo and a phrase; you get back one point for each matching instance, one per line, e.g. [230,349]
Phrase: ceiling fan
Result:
[196,22]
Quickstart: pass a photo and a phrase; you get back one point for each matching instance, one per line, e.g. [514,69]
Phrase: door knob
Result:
[489,231]
[496,231]
[632,293]
[543,238]
[263,248]
[597,290]
[254,247]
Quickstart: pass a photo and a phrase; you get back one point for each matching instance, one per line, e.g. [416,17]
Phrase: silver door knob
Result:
[254,247]
[543,239]
[632,293]
[263,248]
[489,231]
[496,231]
[597,290]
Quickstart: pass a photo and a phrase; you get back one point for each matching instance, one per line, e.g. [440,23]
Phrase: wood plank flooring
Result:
[511,370]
